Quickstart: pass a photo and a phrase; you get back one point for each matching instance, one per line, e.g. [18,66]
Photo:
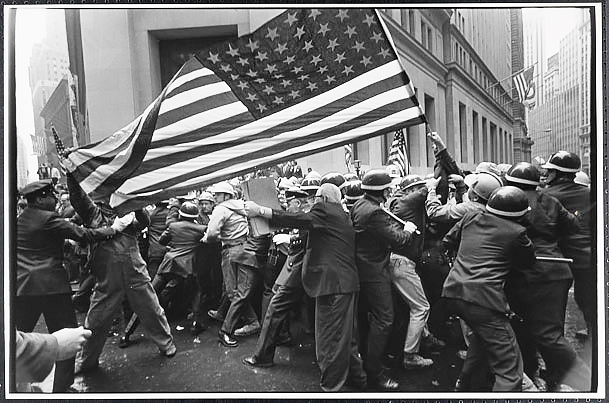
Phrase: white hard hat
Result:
[224,187]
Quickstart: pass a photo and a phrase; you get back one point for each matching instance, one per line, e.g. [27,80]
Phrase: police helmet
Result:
[582,178]
[376,179]
[508,201]
[189,210]
[224,187]
[563,161]
[207,196]
[350,176]
[310,186]
[411,180]
[523,173]
[483,183]
[486,166]
[353,191]
[334,178]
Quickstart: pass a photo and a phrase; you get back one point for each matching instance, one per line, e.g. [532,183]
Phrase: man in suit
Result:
[376,233]
[489,245]
[330,276]
[42,281]
[288,286]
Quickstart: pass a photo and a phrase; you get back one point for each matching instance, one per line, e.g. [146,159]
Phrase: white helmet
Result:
[224,187]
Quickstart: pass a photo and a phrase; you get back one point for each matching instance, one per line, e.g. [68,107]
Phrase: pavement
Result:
[201,365]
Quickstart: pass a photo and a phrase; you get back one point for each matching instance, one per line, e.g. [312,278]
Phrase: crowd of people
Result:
[373,267]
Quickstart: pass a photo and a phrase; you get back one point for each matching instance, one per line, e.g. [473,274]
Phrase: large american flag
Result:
[398,154]
[307,81]
[524,85]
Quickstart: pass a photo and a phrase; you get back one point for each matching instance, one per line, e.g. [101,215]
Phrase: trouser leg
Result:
[585,295]
[333,338]
[379,310]
[493,333]
[58,314]
[247,279]
[271,271]
[277,313]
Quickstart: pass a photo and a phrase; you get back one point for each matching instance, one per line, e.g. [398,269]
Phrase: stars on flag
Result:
[298,55]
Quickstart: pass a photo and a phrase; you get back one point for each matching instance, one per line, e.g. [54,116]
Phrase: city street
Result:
[202,365]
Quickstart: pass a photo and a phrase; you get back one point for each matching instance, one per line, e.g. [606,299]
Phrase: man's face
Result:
[296,205]
[65,200]
[206,206]
[220,197]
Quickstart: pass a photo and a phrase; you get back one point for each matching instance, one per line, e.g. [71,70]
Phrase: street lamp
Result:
[551,141]
[357,164]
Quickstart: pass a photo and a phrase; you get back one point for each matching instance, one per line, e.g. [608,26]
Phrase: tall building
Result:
[48,66]
[459,60]
[563,121]
[534,51]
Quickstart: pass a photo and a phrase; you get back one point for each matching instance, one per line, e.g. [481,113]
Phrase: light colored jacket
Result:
[227,222]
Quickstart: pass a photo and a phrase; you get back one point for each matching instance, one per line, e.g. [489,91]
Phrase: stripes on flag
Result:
[524,85]
[398,154]
[301,84]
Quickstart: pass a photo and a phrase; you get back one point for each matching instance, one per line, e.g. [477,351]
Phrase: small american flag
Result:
[61,149]
[307,81]
[348,157]
[524,84]
[398,154]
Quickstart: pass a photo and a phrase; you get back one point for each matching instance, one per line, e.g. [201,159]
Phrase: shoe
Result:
[540,384]
[255,362]
[581,334]
[460,386]
[461,354]
[212,313]
[197,327]
[432,343]
[124,342]
[248,330]
[226,340]
[383,382]
[170,351]
[416,361]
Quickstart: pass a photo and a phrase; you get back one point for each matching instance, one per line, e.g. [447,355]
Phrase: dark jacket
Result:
[329,262]
[546,222]
[184,237]
[255,251]
[411,207]
[40,241]
[489,247]
[375,235]
[576,199]
[291,272]
[155,229]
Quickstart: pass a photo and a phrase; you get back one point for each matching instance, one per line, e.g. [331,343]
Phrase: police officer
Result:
[489,245]
[562,167]
[353,192]
[375,234]
[539,293]
[42,282]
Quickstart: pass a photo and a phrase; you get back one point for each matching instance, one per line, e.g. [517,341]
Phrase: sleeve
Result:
[142,220]
[172,215]
[522,251]
[216,221]
[411,201]
[452,239]
[310,220]
[443,212]
[82,203]
[35,355]
[380,225]
[65,229]
[165,237]
[568,223]
[444,166]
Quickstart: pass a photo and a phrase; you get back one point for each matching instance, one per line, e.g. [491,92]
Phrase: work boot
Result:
[170,351]
[256,362]
[413,360]
[383,382]
[212,313]
[197,327]
[432,343]
[227,340]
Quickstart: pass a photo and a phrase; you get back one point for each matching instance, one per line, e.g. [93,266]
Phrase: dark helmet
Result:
[508,201]
[376,179]
[563,161]
[189,210]
[310,185]
[353,191]
[350,176]
[410,181]
[334,178]
[523,173]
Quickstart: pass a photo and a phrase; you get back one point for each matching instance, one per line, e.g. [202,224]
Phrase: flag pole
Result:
[508,77]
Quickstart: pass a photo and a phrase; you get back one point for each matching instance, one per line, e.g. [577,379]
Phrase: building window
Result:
[430,40]
[430,113]
[404,24]
[463,132]
[423,34]
[484,140]
[411,21]
[493,142]
[476,135]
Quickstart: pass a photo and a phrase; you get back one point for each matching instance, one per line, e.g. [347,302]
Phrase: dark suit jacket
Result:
[489,247]
[375,235]
[184,237]
[155,229]
[35,355]
[329,262]
[40,239]
[576,199]
[291,272]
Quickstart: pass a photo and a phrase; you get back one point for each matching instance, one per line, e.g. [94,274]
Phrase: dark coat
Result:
[489,247]
[375,235]
[155,229]
[547,221]
[329,262]
[184,238]
[576,199]
[411,207]
[291,272]
[255,251]
[40,240]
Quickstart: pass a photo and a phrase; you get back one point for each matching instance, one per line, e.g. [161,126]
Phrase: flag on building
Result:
[524,85]
[348,157]
[398,153]
[305,82]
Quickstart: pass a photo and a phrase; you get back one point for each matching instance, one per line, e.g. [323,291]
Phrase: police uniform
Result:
[375,234]
[42,281]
